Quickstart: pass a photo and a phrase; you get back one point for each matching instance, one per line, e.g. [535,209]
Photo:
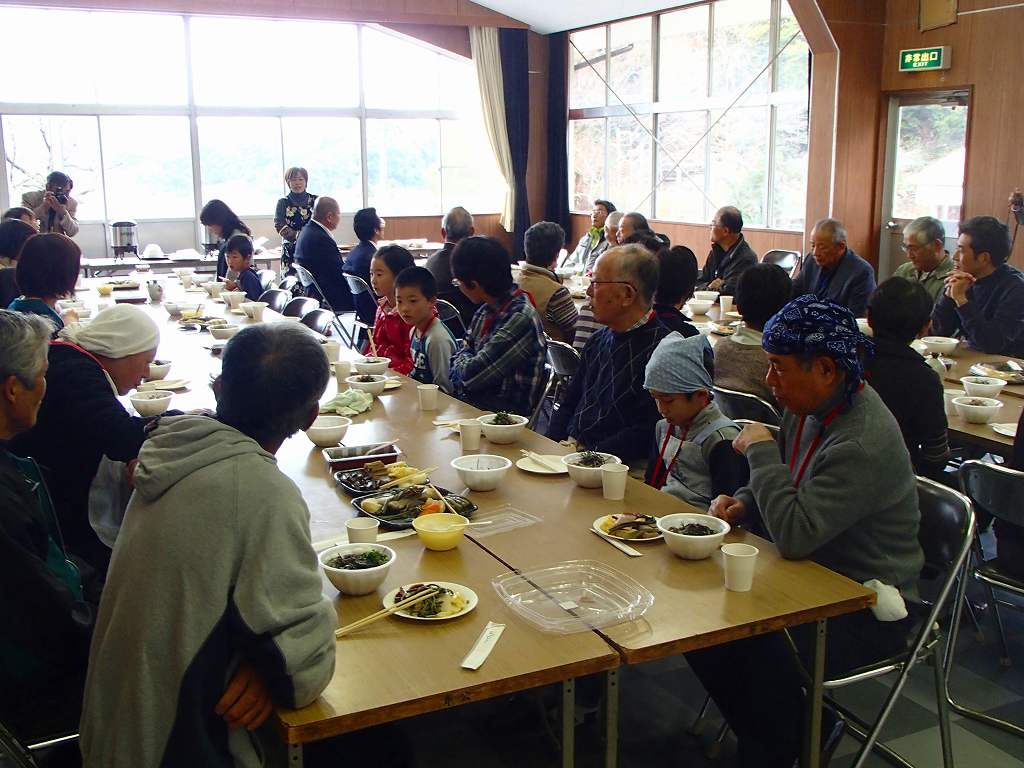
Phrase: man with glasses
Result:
[924,242]
[730,253]
[593,243]
[606,408]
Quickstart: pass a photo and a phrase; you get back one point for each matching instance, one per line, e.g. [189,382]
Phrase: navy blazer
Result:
[316,250]
[851,283]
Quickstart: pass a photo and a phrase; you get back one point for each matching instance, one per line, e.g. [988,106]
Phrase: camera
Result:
[1017,206]
[61,197]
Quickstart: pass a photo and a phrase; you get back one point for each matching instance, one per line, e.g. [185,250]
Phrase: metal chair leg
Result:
[695,727]
[979,635]
[1005,659]
[942,707]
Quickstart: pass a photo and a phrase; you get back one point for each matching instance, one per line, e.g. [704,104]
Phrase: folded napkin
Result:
[348,403]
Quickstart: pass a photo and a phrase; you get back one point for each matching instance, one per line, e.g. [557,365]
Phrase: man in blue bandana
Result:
[837,487]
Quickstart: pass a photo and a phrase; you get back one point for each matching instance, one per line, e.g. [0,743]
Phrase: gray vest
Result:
[690,478]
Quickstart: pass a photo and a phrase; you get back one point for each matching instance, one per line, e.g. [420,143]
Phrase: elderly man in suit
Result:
[316,251]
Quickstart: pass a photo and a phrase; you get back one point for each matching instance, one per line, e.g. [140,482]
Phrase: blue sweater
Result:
[992,320]
[850,283]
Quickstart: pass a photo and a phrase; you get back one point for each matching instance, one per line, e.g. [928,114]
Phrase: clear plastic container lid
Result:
[573,596]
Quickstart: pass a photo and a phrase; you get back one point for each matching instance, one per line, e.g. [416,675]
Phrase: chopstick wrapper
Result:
[483,646]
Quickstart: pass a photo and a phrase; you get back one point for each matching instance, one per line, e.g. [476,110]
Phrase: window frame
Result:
[193,111]
[772,99]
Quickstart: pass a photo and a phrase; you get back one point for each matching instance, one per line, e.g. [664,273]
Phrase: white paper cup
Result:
[725,303]
[332,350]
[257,313]
[362,530]
[186,281]
[342,370]
[739,561]
[613,481]
[428,396]
[470,431]
[948,395]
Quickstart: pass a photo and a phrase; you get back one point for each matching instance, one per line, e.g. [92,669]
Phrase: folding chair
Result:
[21,753]
[320,320]
[291,284]
[311,286]
[785,259]
[267,278]
[276,298]
[365,301]
[997,491]
[300,306]
[744,405]
[946,535]
[451,318]
[564,362]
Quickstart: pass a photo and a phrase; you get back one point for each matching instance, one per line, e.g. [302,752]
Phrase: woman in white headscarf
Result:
[81,419]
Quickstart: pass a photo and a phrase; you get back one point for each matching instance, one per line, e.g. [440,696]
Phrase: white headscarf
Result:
[115,332]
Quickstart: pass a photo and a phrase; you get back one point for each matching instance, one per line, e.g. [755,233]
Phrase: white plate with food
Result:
[1007,430]
[168,384]
[734,315]
[628,527]
[390,384]
[455,600]
[721,330]
[527,464]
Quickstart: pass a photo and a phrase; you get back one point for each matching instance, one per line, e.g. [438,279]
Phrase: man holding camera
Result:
[54,206]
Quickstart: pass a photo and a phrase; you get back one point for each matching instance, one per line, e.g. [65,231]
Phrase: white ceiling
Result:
[546,16]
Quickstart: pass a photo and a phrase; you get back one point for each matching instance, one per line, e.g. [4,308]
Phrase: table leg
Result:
[568,723]
[611,719]
[295,756]
[812,744]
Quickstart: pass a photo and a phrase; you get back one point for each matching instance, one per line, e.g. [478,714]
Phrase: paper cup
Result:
[613,481]
[725,303]
[186,281]
[333,350]
[470,431]
[257,313]
[342,370]
[947,396]
[428,396]
[739,561]
[362,530]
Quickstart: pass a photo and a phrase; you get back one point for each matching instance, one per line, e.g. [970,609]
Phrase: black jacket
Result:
[44,643]
[79,421]
[8,286]
[912,391]
[316,250]
[728,266]
[440,266]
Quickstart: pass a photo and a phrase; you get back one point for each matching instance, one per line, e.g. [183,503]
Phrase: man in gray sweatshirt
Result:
[836,487]
[212,611]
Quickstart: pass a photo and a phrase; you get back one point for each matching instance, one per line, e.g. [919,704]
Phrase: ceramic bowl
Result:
[982,386]
[371,365]
[327,431]
[700,306]
[481,472]
[374,387]
[976,410]
[942,345]
[151,403]
[159,369]
[503,434]
[587,477]
[356,582]
[221,332]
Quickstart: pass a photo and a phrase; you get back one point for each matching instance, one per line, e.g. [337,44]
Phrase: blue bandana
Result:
[677,365]
[809,325]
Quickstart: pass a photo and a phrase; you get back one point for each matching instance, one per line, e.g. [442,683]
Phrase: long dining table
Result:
[397,669]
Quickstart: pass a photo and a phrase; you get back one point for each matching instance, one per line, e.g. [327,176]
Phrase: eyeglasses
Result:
[456,283]
[913,247]
[612,282]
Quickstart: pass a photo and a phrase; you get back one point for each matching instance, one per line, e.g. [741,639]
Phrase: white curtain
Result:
[483,43]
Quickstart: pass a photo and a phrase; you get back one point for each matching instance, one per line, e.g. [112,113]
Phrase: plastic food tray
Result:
[573,596]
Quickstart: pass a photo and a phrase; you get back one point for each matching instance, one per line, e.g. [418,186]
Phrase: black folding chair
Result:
[365,302]
[311,287]
[785,259]
[995,491]
[267,278]
[299,306]
[564,362]
[744,405]
[946,535]
[276,298]
[451,318]
[291,284]
[22,754]
[319,320]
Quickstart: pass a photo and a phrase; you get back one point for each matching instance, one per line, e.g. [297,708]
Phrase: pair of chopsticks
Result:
[411,479]
[373,618]
[624,548]
[536,458]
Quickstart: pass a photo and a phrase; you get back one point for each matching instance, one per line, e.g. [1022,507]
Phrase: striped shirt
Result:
[586,326]
[501,366]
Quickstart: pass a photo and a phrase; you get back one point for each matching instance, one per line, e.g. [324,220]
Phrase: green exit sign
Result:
[917,59]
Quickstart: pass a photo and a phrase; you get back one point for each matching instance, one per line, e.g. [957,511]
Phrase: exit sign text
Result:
[917,59]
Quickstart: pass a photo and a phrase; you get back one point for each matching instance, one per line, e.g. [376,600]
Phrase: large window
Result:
[679,72]
[207,105]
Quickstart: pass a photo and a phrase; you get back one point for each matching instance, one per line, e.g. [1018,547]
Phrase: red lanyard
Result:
[87,353]
[489,322]
[815,444]
[657,480]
